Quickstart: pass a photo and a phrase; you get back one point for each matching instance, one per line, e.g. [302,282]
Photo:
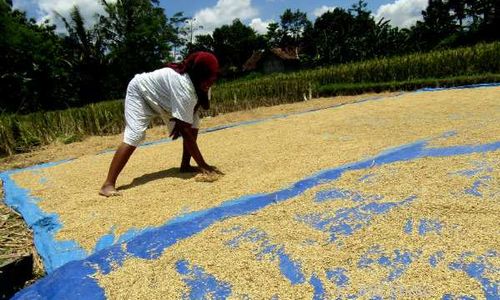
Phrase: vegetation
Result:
[53,83]
[21,133]
[42,69]
[349,35]
[358,88]
[279,88]
[480,63]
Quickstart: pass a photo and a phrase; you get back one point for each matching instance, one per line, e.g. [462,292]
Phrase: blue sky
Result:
[269,9]
[214,13]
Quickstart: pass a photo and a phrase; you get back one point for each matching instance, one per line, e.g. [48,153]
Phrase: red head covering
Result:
[202,68]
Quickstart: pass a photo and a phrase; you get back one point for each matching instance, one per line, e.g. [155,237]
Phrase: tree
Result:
[486,18]
[234,44]
[459,9]
[438,24]
[86,53]
[362,31]
[177,22]
[333,35]
[139,38]
[308,52]
[374,39]
[273,35]
[293,25]
[341,36]
[203,42]
[388,40]
[33,74]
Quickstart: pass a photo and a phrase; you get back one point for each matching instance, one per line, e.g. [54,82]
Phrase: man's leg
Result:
[119,161]
[186,156]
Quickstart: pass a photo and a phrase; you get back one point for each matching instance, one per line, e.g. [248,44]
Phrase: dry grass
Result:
[15,238]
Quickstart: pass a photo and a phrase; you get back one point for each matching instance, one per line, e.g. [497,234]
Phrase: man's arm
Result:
[184,129]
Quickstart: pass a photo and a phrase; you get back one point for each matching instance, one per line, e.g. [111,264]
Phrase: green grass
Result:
[480,63]
[279,88]
[338,89]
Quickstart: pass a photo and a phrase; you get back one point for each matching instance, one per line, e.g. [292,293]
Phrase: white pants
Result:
[138,114]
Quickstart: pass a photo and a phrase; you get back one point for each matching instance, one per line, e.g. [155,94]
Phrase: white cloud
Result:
[224,12]
[402,13]
[318,12]
[260,26]
[48,9]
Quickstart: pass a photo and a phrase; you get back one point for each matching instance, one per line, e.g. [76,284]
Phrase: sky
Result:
[211,14]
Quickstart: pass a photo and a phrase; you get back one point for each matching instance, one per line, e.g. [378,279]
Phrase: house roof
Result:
[284,54]
[251,63]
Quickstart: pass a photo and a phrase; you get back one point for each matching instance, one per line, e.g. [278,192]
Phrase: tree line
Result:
[41,69]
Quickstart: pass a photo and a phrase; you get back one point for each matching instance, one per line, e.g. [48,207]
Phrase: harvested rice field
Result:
[395,197]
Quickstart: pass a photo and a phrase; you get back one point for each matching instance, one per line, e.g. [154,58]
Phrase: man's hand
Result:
[185,130]
[210,169]
[208,174]
[176,132]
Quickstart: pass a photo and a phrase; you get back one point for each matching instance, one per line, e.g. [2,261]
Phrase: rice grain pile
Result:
[423,227]
[256,159]
[420,249]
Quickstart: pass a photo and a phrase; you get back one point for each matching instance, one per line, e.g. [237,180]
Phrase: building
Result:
[273,60]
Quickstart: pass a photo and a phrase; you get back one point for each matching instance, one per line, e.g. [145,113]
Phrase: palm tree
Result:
[86,55]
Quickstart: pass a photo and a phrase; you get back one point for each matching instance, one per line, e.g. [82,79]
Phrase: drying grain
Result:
[416,249]
[256,159]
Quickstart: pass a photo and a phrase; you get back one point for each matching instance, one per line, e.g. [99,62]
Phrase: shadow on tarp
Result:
[150,177]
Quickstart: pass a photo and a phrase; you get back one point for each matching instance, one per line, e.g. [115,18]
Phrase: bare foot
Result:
[108,190]
[189,169]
